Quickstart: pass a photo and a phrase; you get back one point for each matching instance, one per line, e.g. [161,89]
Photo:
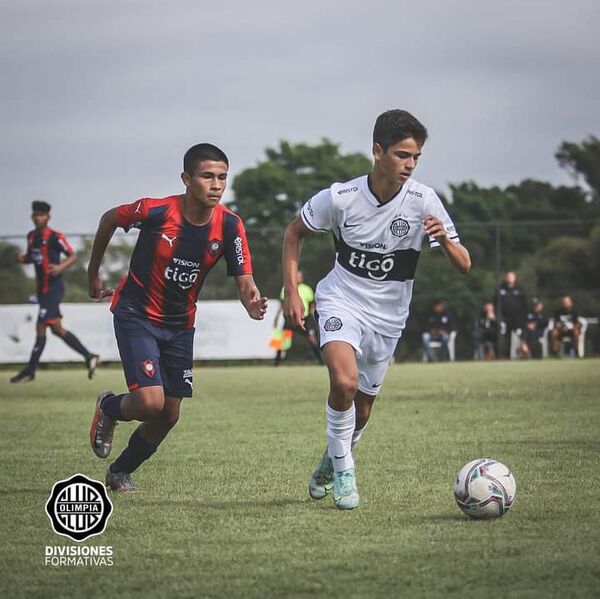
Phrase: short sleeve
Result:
[28,253]
[317,213]
[436,208]
[237,250]
[64,246]
[132,215]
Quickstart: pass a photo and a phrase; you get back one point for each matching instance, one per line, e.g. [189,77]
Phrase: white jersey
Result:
[377,248]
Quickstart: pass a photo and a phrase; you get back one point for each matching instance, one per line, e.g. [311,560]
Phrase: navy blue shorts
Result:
[154,355]
[49,302]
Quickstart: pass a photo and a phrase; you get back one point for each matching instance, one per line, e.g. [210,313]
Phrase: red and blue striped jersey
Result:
[172,257]
[44,247]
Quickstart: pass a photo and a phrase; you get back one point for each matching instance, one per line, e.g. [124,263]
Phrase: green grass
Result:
[224,510]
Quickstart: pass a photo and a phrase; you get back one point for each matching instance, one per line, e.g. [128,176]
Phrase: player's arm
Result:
[26,257]
[457,254]
[294,236]
[55,269]
[106,229]
[255,304]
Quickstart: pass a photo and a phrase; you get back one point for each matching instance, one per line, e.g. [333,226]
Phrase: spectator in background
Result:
[309,332]
[566,325]
[535,329]
[486,333]
[511,310]
[439,326]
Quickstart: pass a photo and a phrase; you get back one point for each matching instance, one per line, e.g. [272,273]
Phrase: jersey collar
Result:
[372,198]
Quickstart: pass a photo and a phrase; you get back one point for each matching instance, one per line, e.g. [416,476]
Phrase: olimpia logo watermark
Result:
[78,508]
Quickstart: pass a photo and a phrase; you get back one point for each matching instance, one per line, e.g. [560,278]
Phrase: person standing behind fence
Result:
[511,310]
[45,246]
[439,326]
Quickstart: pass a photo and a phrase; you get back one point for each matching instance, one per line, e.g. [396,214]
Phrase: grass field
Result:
[223,509]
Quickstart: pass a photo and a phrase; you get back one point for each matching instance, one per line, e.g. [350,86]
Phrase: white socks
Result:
[357,434]
[340,427]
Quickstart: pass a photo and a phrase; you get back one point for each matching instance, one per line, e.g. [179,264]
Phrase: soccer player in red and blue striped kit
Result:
[181,238]
[45,247]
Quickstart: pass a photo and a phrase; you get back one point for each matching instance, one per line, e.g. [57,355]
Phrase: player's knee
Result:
[149,405]
[344,386]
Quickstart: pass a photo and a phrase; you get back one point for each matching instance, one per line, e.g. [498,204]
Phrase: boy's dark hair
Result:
[39,206]
[396,125]
[201,152]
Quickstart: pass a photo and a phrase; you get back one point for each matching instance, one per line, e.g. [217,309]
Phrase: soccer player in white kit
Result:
[379,222]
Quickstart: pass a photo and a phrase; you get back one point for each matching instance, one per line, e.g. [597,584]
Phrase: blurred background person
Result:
[486,333]
[439,327]
[534,331]
[511,311]
[307,295]
[567,327]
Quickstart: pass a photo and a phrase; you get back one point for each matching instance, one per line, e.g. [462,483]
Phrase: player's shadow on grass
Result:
[446,518]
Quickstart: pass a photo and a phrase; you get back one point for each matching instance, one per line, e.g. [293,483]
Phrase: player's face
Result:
[40,219]
[207,184]
[398,162]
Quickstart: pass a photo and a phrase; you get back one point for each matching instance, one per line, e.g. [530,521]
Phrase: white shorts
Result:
[374,351]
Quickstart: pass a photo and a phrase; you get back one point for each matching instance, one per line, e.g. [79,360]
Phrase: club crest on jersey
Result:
[149,368]
[214,245]
[333,324]
[400,227]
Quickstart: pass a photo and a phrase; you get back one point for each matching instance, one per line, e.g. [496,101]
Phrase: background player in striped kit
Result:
[181,238]
[379,222]
[44,249]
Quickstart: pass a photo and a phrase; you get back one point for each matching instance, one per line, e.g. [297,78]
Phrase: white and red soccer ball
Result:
[485,488]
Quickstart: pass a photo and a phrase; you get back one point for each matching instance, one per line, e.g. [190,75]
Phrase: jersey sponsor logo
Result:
[417,194]
[377,245]
[347,190]
[214,245]
[400,227]
[309,208]
[347,225]
[184,273]
[239,250]
[168,239]
[333,324]
[391,266]
[36,256]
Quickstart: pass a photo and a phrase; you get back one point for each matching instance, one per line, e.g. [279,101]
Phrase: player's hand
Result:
[293,310]
[54,270]
[256,306]
[21,258]
[97,291]
[435,228]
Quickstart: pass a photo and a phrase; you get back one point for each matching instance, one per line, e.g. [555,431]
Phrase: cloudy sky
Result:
[100,99]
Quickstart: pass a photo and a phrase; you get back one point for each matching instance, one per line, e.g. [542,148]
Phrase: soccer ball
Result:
[485,488]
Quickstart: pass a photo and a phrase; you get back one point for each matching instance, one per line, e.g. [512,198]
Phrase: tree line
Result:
[549,234]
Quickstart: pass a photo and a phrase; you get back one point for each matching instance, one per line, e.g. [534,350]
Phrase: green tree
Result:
[269,195]
[582,159]
[15,287]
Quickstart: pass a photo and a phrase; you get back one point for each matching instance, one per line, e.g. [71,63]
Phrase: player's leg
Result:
[363,404]
[140,356]
[28,373]
[91,359]
[159,414]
